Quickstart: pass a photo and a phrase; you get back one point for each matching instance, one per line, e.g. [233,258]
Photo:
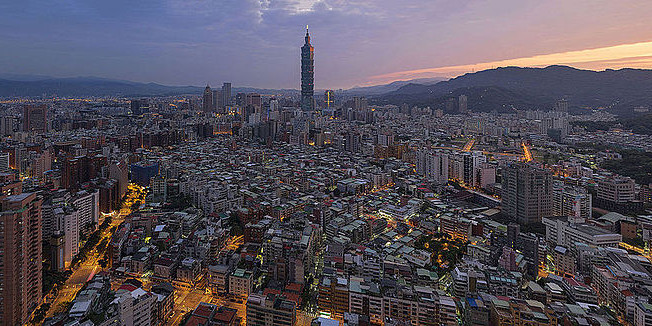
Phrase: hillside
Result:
[619,90]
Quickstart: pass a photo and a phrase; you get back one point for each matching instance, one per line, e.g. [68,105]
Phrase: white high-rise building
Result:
[70,221]
[87,205]
[433,165]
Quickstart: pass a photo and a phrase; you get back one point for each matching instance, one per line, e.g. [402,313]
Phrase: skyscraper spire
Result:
[307,75]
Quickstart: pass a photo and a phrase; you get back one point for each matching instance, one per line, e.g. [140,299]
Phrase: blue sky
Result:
[256,42]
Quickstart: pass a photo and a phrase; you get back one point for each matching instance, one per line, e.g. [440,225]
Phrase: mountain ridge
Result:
[619,90]
[15,85]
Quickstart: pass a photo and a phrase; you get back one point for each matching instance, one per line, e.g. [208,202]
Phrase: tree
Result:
[136,205]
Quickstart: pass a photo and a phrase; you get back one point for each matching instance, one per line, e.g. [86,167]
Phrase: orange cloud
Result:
[637,55]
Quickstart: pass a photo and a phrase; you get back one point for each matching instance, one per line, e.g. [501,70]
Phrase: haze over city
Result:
[254,43]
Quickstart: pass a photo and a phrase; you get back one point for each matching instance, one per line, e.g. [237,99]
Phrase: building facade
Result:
[21,258]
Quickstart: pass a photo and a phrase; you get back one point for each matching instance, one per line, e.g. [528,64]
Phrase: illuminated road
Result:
[188,297]
[527,153]
[83,273]
[86,270]
[640,251]
[483,152]
[469,145]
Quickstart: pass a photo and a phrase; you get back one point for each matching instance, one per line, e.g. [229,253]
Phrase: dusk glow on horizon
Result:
[638,55]
[255,42]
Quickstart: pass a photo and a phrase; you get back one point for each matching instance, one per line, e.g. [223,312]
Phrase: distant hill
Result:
[87,86]
[12,85]
[16,85]
[536,88]
[381,89]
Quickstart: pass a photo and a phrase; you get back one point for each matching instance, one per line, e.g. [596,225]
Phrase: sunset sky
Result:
[256,42]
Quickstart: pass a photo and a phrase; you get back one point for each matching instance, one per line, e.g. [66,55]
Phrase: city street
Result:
[86,270]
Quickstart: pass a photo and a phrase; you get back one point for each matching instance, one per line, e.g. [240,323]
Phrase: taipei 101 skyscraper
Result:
[307,75]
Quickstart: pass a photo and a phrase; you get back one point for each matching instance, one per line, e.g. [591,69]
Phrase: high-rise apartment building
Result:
[433,165]
[307,75]
[207,104]
[360,103]
[217,99]
[463,104]
[87,203]
[561,105]
[4,162]
[35,118]
[571,201]
[21,257]
[134,106]
[226,95]
[526,192]
[472,162]
[8,125]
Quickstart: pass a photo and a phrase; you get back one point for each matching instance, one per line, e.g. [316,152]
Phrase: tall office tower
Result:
[217,99]
[561,105]
[207,104]
[463,104]
[135,106]
[617,193]
[21,257]
[273,112]
[527,192]
[226,94]
[329,99]
[307,75]
[35,118]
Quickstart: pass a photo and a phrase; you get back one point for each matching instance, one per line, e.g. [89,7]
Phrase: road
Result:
[186,299]
[83,273]
[86,270]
